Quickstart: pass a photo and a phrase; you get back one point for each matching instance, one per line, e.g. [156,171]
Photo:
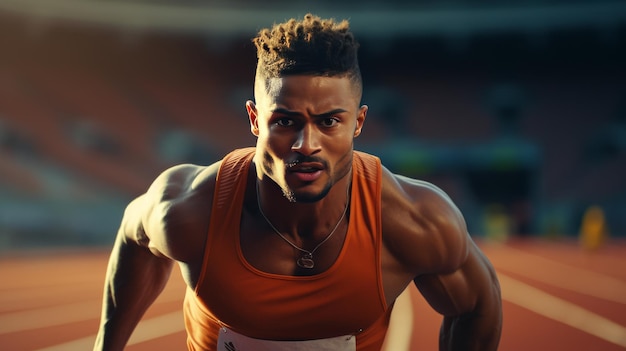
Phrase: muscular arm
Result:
[469,299]
[158,228]
[427,235]
[134,279]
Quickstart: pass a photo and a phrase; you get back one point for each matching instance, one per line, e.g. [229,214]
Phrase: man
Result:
[301,243]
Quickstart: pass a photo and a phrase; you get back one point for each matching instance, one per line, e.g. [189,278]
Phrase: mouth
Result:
[305,167]
[305,171]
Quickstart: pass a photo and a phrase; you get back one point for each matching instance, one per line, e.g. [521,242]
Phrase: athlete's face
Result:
[305,127]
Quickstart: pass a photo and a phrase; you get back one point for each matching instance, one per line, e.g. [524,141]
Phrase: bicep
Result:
[132,228]
[173,220]
[472,285]
[136,229]
[133,262]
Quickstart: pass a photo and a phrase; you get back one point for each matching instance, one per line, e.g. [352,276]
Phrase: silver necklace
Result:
[306,259]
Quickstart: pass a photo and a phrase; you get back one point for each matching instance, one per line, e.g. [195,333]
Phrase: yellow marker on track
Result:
[593,229]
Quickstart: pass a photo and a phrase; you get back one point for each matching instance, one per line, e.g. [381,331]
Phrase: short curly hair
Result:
[312,46]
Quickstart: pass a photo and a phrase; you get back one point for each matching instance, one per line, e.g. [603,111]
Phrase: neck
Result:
[299,219]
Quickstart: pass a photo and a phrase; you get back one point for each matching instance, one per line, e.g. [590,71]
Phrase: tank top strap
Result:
[367,179]
[234,166]
[230,186]
[368,167]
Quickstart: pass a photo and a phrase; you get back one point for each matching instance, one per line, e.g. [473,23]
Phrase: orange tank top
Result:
[346,299]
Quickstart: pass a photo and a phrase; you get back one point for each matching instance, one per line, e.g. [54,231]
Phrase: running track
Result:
[555,297]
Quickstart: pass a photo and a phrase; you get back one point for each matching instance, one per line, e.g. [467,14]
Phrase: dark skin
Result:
[316,119]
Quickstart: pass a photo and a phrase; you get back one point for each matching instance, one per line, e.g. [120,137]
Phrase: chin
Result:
[309,196]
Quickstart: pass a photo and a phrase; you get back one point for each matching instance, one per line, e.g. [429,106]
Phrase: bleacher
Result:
[99,107]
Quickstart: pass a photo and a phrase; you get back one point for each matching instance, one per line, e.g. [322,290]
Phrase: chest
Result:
[253,284]
[270,251]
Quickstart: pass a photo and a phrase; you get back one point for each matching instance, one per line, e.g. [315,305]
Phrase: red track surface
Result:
[556,297]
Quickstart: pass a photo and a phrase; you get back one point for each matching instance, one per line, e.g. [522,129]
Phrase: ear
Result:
[360,119]
[253,117]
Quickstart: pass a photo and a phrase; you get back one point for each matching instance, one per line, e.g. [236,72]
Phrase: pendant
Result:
[306,261]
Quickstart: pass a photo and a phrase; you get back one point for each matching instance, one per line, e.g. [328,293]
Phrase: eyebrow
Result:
[284,111]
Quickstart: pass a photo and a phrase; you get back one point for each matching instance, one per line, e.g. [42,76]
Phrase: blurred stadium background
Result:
[518,111]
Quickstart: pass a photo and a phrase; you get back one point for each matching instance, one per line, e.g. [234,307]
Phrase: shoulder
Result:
[175,209]
[422,227]
[180,181]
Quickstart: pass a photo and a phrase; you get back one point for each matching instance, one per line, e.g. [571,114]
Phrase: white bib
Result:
[228,340]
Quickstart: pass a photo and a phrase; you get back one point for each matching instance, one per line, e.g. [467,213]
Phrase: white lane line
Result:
[552,307]
[49,316]
[561,275]
[402,316]
[157,327]
[26,296]
[513,291]
[148,329]
[59,315]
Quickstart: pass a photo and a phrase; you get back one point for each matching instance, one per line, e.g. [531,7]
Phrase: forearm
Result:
[134,279]
[479,330]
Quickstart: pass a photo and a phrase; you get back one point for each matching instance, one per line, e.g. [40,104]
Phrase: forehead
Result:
[297,91]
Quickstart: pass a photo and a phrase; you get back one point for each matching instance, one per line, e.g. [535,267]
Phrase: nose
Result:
[307,142]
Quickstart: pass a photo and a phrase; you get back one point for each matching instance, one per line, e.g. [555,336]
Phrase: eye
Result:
[284,122]
[329,122]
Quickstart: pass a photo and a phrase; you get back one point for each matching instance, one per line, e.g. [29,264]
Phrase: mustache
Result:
[306,159]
